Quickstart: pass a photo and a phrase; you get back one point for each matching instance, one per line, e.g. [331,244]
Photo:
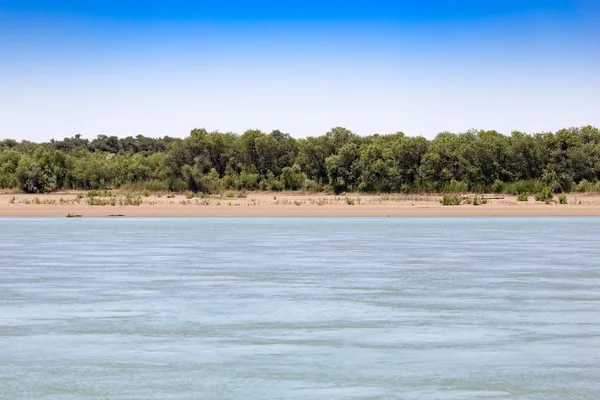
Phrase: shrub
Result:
[292,178]
[510,188]
[451,200]
[176,185]
[34,178]
[248,180]
[562,198]
[545,195]
[455,186]
[565,183]
[312,186]
[584,186]
[522,197]
[339,187]
[196,181]
[479,200]
[131,201]
[558,182]
[350,201]
[270,182]
[497,186]
[528,186]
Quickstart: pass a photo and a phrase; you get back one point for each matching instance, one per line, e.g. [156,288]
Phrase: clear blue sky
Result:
[157,68]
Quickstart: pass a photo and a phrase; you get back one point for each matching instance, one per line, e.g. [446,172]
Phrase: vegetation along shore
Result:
[276,174]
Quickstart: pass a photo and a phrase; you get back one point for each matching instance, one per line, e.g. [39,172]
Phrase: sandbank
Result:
[262,204]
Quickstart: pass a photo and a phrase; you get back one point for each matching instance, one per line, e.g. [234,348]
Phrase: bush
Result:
[528,186]
[510,188]
[292,178]
[585,186]
[271,183]
[565,183]
[522,197]
[562,198]
[497,186]
[33,178]
[196,181]
[545,195]
[312,186]
[176,185]
[479,200]
[129,200]
[244,180]
[558,183]
[339,187]
[248,180]
[451,200]
[455,186]
[276,185]
[9,160]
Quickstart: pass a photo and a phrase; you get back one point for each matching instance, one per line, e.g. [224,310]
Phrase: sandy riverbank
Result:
[282,205]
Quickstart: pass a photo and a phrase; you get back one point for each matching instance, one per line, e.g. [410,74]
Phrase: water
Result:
[490,308]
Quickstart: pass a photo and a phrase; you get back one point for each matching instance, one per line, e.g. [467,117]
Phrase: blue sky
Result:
[164,67]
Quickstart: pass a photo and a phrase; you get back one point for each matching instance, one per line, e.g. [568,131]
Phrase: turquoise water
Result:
[452,308]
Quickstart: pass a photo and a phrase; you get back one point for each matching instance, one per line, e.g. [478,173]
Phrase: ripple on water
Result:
[453,308]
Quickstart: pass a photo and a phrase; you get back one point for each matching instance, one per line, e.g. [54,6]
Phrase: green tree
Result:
[343,168]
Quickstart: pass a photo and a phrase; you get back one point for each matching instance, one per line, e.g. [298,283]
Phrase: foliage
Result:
[562,198]
[522,197]
[451,200]
[339,161]
[34,177]
[292,178]
[528,186]
[545,195]
[479,200]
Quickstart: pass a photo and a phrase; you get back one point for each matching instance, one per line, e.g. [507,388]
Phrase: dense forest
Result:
[339,160]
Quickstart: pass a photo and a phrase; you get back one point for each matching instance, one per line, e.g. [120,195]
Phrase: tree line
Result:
[339,160]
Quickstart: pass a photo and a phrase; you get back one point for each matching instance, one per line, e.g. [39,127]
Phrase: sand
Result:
[283,205]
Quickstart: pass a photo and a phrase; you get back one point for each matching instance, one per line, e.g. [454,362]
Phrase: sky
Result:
[128,67]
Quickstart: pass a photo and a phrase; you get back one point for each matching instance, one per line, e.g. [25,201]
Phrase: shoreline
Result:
[284,205]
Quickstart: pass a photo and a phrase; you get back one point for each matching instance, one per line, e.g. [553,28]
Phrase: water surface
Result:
[416,308]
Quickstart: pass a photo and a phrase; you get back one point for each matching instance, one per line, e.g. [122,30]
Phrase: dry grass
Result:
[279,203]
